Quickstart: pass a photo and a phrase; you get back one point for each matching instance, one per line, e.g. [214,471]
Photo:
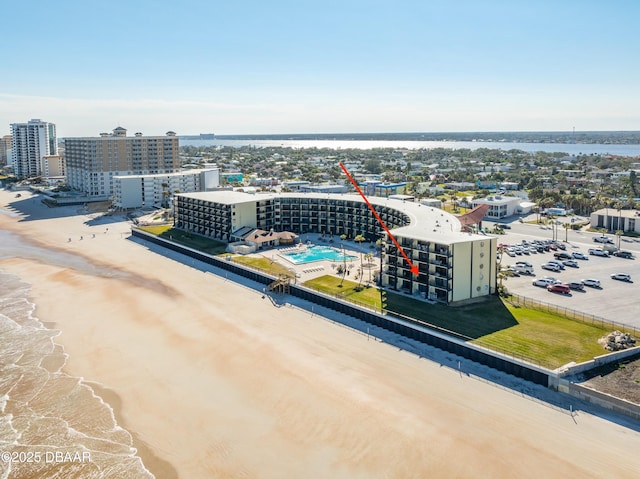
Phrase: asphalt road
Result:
[615,300]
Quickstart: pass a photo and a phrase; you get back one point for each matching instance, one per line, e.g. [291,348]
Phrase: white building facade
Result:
[134,191]
[452,266]
[30,142]
[499,206]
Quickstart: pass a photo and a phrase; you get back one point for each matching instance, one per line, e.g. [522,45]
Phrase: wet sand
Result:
[214,381]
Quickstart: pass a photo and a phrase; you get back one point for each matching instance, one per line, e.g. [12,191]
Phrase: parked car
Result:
[577,285]
[602,239]
[579,255]
[545,281]
[623,254]
[555,261]
[561,255]
[559,288]
[621,277]
[598,252]
[571,262]
[561,246]
[592,283]
[553,247]
[523,268]
[551,267]
[524,263]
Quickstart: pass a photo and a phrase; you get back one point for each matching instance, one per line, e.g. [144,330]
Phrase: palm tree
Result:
[369,258]
[566,227]
[359,239]
[501,274]
[165,194]
[618,235]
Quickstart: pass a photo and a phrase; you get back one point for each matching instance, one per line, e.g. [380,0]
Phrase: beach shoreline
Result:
[211,380]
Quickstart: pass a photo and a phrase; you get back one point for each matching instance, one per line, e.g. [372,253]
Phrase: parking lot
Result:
[614,300]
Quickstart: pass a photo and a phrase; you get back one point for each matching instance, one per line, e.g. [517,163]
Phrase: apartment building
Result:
[30,142]
[134,191]
[93,162]
[53,166]
[5,150]
[453,266]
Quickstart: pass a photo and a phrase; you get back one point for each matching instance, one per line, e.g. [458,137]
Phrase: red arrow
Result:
[414,268]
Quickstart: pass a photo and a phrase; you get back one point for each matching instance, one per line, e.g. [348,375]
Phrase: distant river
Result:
[571,149]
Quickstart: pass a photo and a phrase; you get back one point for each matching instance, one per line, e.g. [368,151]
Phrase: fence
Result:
[511,365]
[341,296]
[573,314]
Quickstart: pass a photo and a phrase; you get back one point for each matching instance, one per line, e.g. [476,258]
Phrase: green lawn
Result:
[331,285]
[264,264]
[540,337]
[551,339]
[156,230]
[206,245]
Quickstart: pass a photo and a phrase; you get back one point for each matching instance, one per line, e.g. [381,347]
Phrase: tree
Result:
[566,227]
[373,166]
[344,261]
[633,184]
[165,194]
[360,239]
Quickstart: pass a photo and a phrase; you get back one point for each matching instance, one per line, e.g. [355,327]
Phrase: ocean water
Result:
[51,424]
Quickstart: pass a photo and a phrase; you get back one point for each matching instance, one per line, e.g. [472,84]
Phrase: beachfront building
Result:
[30,142]
[453,265]
[94,162]
[499,206]
[135,191]
[5,150]
[53,166]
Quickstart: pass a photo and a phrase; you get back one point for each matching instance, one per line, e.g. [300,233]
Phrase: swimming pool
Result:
[317,253]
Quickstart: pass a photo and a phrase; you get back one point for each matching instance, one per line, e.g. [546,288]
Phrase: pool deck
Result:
[307,271]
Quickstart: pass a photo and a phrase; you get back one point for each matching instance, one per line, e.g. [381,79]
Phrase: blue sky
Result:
[331,66]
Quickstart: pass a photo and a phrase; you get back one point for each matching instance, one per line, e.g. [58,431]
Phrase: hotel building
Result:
[30,142]
[93,162]
[453,265]
[135,191]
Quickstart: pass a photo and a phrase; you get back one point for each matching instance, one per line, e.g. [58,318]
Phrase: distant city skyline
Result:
[329,67]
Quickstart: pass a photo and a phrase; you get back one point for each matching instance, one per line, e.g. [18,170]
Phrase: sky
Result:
[346,66]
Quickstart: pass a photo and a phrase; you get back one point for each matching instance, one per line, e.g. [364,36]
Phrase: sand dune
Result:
[214,381]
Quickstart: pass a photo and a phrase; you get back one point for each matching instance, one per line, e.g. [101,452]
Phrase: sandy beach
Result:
[212,380]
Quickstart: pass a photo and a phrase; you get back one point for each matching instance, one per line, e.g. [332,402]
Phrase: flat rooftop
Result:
[432,224]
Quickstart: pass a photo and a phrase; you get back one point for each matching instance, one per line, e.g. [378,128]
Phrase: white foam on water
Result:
[52,424]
